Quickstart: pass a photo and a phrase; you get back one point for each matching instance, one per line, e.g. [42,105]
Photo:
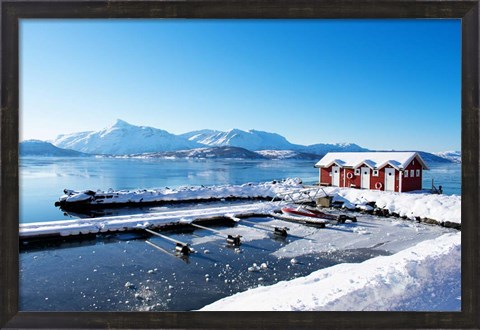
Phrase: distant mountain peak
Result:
[124,138]
[452,155]
[121,123]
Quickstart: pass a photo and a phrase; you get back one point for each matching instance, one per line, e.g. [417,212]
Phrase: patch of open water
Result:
[123,273]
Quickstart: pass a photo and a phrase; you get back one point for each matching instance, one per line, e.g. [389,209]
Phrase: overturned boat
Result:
[311,216]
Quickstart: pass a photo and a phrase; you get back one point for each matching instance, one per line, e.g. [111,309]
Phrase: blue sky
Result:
[383,84]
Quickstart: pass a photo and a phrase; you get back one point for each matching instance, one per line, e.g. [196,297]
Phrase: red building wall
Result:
[413,183]
[354,181]
[381,179]
[325,178]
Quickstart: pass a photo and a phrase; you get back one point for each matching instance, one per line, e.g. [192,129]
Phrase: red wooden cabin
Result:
[387,171]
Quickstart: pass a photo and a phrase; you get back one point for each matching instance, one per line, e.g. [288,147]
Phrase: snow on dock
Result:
[112,198]
[139,221]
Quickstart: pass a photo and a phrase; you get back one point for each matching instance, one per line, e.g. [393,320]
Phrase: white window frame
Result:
[375,173]
[412,173]
[418,173]
[357,171]
[405,174]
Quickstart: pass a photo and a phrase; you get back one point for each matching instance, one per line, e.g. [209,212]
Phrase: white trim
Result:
[391,163]
[400,180]
[334,162]
[344,178]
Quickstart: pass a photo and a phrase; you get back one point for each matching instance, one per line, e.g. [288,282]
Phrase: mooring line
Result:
[165,237]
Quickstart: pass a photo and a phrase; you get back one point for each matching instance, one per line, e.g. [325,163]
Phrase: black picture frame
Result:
[13,11]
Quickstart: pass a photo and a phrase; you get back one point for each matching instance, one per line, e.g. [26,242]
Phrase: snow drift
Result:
[425,277]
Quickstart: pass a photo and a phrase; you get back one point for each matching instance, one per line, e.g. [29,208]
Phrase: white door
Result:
[389,179]
[335,176]
[365,178]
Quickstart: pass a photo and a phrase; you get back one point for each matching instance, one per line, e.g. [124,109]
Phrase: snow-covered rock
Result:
[441,208]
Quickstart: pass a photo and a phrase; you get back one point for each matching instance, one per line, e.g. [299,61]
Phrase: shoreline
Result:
[431,209]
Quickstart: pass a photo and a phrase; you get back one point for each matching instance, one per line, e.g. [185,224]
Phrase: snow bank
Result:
[425,277]
[441,208]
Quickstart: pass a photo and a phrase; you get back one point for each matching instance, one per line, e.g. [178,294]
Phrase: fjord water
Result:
[43,179]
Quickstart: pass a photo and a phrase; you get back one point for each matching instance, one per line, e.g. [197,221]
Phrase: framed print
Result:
[212,164]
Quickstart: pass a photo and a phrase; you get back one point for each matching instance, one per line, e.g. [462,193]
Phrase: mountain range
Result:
[122,139]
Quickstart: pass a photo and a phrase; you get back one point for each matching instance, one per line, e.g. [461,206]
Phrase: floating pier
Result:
[78,228]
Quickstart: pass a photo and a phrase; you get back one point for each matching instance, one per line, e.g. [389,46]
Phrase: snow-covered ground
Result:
[441,208]
[423,274]
[425,277]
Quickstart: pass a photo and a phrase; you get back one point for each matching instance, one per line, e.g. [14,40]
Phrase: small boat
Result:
[310,212]
[306,220]
[304,212]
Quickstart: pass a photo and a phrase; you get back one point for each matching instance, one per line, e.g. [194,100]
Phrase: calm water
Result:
[93,277]
[42,179]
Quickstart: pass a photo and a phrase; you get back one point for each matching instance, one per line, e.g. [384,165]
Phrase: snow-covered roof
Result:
[375,160]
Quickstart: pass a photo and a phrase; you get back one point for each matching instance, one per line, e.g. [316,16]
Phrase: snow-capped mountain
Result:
[204,153]
[323,148]
[252,140]
[124,138]
[287,154]
[454,156]
[42,148]
[201,136]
